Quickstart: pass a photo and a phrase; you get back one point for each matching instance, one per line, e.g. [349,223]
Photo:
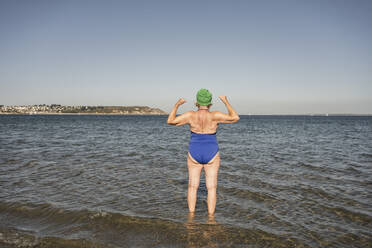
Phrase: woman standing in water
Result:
[203,146]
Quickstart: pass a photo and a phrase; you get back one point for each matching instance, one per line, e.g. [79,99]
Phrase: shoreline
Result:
[79,114]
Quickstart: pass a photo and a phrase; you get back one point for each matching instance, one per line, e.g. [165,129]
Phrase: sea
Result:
[121,181]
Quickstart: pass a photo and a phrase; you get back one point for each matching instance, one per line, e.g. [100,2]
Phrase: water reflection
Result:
[207,234]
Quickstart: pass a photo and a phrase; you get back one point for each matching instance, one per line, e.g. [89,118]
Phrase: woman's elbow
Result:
[236,118]
[171,122]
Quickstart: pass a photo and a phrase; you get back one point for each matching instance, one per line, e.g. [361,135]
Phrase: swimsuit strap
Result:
[203,109]
[203,133]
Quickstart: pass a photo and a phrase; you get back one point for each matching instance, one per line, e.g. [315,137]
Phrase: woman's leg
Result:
[194,180]
[211,174]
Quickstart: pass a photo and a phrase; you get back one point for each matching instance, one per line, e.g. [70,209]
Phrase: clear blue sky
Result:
[268,57]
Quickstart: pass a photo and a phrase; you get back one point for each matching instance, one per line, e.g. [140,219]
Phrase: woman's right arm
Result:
[231,117]
[181,119]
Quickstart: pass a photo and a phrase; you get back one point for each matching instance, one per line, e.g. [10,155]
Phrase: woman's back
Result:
[203,121]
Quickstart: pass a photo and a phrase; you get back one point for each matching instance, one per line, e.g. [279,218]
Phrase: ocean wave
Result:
[50,226]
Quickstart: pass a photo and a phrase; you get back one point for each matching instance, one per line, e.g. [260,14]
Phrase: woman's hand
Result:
[223,99]
[180,102]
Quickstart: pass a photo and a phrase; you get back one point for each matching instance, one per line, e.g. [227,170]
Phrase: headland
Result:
[61,109]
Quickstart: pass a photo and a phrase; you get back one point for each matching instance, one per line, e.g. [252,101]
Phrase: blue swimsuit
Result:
[203,147]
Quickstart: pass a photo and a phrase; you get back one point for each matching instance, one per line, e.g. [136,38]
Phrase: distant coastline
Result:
[57,109]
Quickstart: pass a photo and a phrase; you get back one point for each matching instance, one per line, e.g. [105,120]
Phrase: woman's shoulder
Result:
[215,113]
[189,113]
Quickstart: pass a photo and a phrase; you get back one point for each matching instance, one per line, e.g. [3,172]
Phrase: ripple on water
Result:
[284,181]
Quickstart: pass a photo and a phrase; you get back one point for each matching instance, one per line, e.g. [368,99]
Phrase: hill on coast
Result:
[60,109]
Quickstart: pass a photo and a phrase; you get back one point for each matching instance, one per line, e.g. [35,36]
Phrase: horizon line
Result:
[248,114]
[315,115]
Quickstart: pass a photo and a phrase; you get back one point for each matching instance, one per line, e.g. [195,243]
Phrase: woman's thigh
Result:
[211,172]
[194,172]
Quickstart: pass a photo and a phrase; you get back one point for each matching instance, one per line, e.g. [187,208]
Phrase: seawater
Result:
[121,181]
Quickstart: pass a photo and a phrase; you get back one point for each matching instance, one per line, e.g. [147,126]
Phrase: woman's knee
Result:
[193,186]
[211,186]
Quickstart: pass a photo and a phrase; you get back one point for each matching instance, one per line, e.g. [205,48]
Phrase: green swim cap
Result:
[204,97]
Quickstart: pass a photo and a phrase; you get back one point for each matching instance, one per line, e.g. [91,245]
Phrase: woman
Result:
[203,147]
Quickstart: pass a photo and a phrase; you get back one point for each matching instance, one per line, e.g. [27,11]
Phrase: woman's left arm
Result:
[181,119]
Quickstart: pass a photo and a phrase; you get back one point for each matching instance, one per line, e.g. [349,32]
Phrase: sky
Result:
[267,57]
